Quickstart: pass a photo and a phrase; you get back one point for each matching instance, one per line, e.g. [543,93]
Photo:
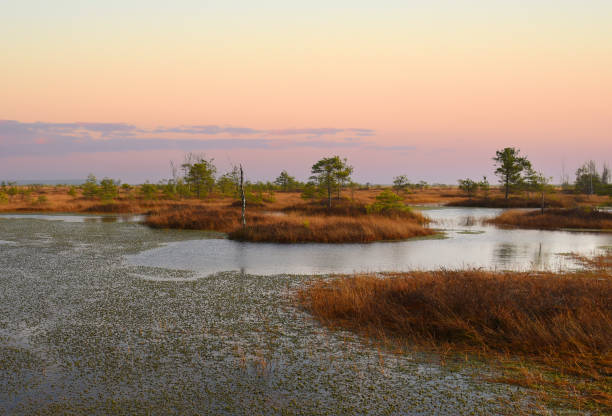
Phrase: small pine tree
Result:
[90,187]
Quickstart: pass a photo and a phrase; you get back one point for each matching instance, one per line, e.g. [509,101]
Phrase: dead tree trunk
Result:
[242,197]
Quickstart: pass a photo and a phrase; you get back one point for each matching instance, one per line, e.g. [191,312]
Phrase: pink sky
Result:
[438,86]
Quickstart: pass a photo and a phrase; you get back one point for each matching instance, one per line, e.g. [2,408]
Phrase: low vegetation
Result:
[498,201]
[195,218]
[547,331]
[330,229]
[330,207]
[556,218]
[347,223]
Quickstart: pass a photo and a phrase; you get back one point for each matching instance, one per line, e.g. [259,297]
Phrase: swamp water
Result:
[468,244]
[102,317]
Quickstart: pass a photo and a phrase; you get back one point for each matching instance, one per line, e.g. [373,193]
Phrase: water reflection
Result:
[468,244]
[504,254]
[77,218]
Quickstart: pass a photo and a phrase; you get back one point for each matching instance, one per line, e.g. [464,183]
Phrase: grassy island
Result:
[345,223]
[582,218]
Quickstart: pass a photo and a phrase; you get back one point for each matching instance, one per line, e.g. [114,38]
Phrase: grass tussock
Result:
[330,229]
[577,218]
[560,322]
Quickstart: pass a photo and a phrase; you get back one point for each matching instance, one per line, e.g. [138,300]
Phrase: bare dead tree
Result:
[242,197]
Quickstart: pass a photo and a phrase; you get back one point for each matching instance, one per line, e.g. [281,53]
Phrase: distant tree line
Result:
[516,174]
[590,181]
[197,177]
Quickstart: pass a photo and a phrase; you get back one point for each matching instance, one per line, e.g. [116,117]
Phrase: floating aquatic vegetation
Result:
[84,333]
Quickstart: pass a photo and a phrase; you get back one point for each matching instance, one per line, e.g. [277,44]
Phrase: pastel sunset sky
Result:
[425,88]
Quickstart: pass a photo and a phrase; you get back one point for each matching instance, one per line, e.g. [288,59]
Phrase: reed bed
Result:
[560,322]
[576,218]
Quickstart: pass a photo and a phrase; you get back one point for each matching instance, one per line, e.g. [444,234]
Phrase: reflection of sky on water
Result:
[76,218]
[488,247]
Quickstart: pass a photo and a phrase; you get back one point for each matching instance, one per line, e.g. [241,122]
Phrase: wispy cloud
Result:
[246,131]
[208,130]
[19,139]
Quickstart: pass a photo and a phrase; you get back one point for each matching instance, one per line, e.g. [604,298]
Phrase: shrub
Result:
[386,202]
[468,186]
[109,189]
[148,190]
[310,191]
[90,187]
[254,199]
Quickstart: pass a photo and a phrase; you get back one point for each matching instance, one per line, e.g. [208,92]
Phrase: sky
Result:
[430,89]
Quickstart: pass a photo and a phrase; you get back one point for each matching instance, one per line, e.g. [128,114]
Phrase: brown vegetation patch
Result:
[560,322]
[577,218]
[195,218]
[291,226]
[251,204]
[513,202]
[351,209]
[113,208]
[344,208]
[329,229]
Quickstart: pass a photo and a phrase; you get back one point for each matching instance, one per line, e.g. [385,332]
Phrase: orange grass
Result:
[555,199]
[578,218]
[58,200]
[295,221]
[348,208]
[514,202]
[211,218]
[330,229]
[560,322]
[289,228]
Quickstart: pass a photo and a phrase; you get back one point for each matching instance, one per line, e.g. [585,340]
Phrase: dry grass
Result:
[577,218]
[330,229]
[513,202]
[556,199]
[291,227]
[59,200]
[560,323]
[346,208]
[195,218]
[295,221]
